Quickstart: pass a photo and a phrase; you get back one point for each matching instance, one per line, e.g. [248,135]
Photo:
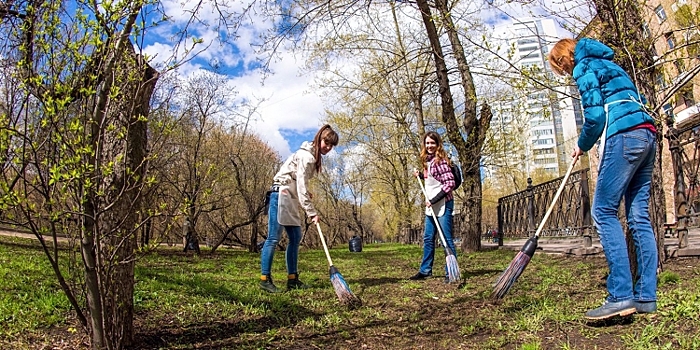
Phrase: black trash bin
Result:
[355,244]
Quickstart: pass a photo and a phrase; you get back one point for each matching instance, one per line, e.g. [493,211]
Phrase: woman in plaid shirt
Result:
[439,183]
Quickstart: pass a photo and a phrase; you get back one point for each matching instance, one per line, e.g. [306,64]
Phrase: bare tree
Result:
[468,138]
[251,166]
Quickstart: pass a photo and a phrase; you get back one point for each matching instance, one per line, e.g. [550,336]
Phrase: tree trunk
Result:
[126,243]
[474,125]
[110,237]
[92,280]
[254,234]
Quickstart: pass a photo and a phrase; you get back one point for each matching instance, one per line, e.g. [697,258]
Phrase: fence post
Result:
[681,204]
[586,210]
[500,223]
[530,209]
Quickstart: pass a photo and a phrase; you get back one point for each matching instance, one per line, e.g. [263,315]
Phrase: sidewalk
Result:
[575,245]
[552,245]
[693,248]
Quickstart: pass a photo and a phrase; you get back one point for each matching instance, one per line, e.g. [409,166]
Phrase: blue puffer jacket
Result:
[600,81]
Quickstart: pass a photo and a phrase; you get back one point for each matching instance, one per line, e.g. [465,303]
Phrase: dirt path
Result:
[22,234]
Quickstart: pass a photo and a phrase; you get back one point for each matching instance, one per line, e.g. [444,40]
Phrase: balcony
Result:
[686,113]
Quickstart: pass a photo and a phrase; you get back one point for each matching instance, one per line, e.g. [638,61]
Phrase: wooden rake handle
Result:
[325,247]
[432,212]
[556,197]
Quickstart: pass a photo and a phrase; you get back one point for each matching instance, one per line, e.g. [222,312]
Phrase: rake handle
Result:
[325,247]
[556,197]
[432,212]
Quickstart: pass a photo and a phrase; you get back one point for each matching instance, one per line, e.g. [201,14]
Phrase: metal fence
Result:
[520,214]
[684,145]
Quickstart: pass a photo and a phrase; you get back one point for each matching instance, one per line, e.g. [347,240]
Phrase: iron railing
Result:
[519,214]
[684,145]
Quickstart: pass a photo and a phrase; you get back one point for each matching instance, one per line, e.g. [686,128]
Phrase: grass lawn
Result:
[213,302]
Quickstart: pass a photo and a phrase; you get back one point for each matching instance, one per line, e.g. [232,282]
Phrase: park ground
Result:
[184,301]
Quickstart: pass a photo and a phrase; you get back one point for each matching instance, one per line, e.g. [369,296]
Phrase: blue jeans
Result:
[430,235]
[274,230]
[626,170]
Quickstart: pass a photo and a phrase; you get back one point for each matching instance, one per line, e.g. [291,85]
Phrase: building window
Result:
[540,142]
[688,99]
[645,31]
[660,13]
[527,49]
[660,81]
[691,36]
[543,161]
[527,41]
[531,55]
[654,52]
[670,41]
[679,66]
[526,32]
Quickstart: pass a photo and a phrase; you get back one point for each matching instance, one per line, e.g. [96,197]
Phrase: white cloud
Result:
[285,100]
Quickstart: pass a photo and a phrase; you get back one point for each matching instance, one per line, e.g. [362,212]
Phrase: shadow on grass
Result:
[393,333]
[481,272]
[370,282]
[32,243]
[221,333]
[24,244]
[205,287]
[613,321]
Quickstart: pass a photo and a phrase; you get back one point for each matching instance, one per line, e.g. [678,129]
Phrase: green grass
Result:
[185,302]
[30,297]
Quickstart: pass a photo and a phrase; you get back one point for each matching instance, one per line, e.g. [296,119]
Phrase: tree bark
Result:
[112,217]
[474,125]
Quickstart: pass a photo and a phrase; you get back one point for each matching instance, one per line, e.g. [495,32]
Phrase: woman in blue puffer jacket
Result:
[615,114]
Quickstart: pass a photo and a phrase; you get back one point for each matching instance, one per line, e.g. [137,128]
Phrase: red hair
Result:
[561,58]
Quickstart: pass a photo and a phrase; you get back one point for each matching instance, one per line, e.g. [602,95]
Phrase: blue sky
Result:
[285,112]
[295,137]
[288,110]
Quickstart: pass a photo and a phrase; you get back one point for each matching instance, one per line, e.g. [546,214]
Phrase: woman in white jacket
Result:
[287,195]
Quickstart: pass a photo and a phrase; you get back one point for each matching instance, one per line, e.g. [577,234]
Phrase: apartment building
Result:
[673,24]
[547,119]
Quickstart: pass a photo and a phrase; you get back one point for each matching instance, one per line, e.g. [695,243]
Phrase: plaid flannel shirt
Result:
[441,171]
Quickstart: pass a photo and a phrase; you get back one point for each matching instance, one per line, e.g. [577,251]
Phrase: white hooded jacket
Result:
[292,177]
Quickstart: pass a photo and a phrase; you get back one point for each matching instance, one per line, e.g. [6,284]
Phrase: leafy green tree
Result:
[687,19]
[74,144]
[78,149]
